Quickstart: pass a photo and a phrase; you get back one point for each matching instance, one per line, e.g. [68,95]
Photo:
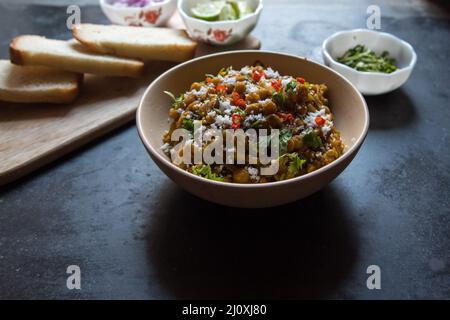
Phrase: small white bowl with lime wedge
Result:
[219,22]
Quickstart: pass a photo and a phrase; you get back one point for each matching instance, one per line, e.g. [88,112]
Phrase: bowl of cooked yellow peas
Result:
[252,128]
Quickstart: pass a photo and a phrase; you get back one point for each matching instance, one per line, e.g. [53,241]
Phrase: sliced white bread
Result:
[37,84]
[70,56]
[136,42]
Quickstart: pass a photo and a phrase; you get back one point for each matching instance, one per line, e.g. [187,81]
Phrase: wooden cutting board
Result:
[34,135]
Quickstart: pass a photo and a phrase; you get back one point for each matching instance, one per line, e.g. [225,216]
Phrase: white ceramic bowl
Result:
[351,118]
[370,83]
[152,15]
[219,32]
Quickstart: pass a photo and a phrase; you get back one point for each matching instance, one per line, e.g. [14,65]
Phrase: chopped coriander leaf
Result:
[223,72]
[257,123]
[312,140]
[285,135]
[278,98]
[296,163]
[291,165]
[363,59]
[291,86]
[176,101]
[170,94]
[239,111]
[205,171]
[188,125]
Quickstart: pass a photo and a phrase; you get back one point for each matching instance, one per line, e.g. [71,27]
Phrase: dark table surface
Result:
[135,234]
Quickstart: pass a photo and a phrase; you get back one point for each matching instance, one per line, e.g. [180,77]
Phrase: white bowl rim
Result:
[347,153]
[150,5]
[249,16]
[410,66]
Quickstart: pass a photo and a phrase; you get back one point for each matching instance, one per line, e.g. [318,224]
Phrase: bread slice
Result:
[136,42]
[37,84]
[70,56]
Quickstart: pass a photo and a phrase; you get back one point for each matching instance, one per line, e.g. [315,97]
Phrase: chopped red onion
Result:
[134,3]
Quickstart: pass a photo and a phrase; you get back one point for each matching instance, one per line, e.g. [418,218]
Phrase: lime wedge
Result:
[234,4]
[228,13]
[208,10]
[244,9]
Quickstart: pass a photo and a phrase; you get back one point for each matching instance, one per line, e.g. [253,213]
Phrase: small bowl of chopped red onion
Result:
[141,13]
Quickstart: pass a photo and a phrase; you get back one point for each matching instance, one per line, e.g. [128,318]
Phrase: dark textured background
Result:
[135,234]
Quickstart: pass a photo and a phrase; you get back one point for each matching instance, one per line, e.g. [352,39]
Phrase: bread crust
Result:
[65,91]
[184,51]
[15,54]
[21,53]
[88,44]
